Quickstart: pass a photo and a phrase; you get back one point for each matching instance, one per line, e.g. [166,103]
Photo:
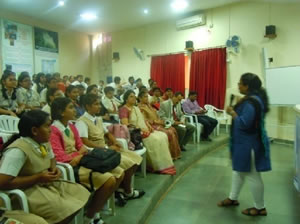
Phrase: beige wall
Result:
[247,20]
[74,47]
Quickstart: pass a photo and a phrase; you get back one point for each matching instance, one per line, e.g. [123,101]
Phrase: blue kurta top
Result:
[245,138]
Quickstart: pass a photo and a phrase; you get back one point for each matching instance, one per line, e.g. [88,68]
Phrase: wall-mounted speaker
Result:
[270,31]
[189,45]
[116,56]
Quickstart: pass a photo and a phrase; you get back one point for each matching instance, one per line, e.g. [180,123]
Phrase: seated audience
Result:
[92,89]
[101,86]
[25,95]
[73,93]
[116,84]
[66,81]
[150,115]
[130,85]
[168,94]
[191,106]
[170,111]
[39,83]
[119,96]
[51,82]
[71,79]
[60,84]
[109,101]
[158,155]
[87,82]
[52,94]
[93,135]
[152,87]
[34,171]
[8,95]
[155,100]
[79,81]
[68,148]
[150,81]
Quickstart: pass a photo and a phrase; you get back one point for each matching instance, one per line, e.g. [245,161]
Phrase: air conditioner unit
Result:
[190,22]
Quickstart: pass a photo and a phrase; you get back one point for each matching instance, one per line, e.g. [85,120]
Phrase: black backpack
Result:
[101,160]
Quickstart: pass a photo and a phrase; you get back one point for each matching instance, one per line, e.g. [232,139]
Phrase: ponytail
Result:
[11,140]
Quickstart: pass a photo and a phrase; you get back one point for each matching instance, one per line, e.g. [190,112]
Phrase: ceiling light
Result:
[61,3]
[146,11]
[88,16]
[179,5]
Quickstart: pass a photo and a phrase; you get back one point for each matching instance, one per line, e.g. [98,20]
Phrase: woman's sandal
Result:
[228,203]
[255,212]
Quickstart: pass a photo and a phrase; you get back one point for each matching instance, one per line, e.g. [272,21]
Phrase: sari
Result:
[151,116]
[158,155]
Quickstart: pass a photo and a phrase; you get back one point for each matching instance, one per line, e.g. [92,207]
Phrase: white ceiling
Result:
[112,14]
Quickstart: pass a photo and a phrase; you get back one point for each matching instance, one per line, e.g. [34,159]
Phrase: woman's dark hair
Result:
[50,92]
[89,99]
[255,87]
[126,95]
[23,76]
[58,106]
[38,82]
[141,94]
[90,88]
[49,78]
[69,89]
[30,119]
[5,76]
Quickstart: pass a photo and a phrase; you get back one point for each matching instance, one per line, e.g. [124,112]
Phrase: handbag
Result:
[101,160]
[136,138]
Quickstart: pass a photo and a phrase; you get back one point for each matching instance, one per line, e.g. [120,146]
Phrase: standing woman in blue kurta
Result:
[249,144]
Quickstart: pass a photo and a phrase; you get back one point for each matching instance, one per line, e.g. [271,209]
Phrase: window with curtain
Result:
[169,71]
[208,76]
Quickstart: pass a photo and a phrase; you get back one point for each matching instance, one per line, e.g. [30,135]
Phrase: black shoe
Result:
[183,149]
[207,139]
[120,199]
[135,194]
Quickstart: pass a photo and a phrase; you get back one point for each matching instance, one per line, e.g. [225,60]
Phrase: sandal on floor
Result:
[255,212]
[228,203]
[135,194]
[121,200]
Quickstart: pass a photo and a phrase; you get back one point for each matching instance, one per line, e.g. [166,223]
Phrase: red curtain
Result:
[208,76]
[169,71]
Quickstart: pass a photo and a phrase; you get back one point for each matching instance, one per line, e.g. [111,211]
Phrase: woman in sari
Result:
[158,155]
[150,115]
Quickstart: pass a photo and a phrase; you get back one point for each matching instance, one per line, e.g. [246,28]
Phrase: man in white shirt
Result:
[130,85]
[79,81]
[109,102]
[116,84]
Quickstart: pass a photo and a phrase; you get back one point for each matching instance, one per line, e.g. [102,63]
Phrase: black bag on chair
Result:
[101,160]
[136,138]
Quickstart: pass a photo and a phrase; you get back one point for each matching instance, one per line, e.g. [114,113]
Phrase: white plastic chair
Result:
[193,119]
[6,200]
[110,206]
[141,152]
[9,124]
[213,112]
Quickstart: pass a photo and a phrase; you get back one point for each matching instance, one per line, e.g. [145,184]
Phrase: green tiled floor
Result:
[193,198]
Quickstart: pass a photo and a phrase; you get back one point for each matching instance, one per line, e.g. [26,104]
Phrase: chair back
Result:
[210,111]
[9,124]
